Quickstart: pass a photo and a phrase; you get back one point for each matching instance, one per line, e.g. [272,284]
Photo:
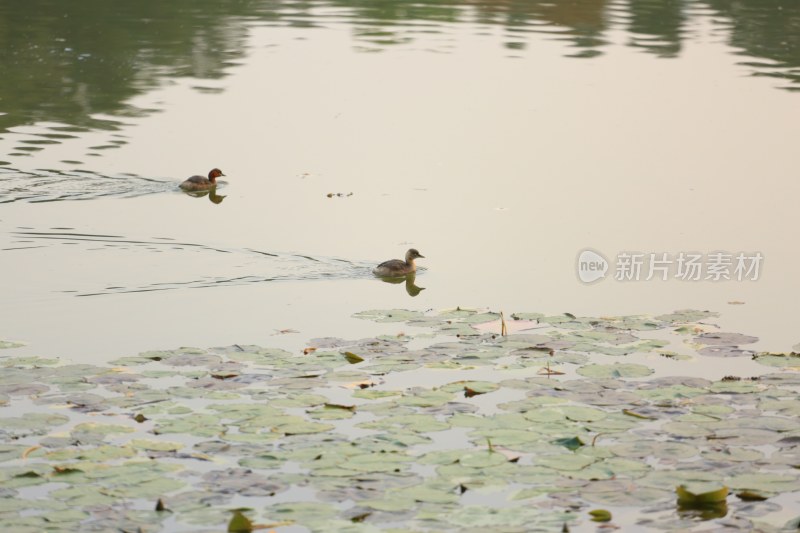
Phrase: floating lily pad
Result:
[616,370]
[388,315]
[726,339]
[9,344]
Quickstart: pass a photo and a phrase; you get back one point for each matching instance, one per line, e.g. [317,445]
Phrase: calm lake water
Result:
[499,138]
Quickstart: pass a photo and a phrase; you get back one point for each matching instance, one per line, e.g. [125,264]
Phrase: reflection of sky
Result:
[498,169]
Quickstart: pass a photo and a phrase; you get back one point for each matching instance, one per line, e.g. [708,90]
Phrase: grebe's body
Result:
[398,267]
[200,183]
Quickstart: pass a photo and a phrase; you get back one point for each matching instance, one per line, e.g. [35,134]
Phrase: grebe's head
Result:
[413,254]
[214,174]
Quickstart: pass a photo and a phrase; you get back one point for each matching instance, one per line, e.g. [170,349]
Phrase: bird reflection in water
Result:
[211,193]
[409,279]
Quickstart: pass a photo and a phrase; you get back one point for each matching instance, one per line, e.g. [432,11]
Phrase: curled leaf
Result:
[239,523]
[712,497]
[600,515]
[353,358]
[750,496]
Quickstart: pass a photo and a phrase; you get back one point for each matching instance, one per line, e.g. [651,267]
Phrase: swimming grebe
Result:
[398,267]
[199,183]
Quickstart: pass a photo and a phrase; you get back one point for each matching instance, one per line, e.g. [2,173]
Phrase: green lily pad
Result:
[616,370]
[388,315]
[4,345]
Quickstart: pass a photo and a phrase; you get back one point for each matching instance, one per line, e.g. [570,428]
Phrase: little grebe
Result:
[398,267]
[199,183]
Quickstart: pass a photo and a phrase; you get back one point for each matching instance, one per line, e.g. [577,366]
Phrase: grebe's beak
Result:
[421,256]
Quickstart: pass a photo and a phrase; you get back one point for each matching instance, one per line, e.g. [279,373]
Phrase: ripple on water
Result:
[251,265]
[47,185]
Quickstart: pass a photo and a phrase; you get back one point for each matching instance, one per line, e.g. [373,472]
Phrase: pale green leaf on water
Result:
[695,479]
[602,349]
[412,422]
[482,459]
[616,370]
[155,445]
[425,398]
[515,439]
[686,315]
[686,430]
[457,313]
[347,376]
[736,387]
[481,318]
[9,344]
[199,425]
[779,360]
[430,492]
[66,516]
[310,514]
[391,504]
[470,421]
[457,328]
[516,518]
[527,316]
[377,462]
[564,462]
[301,427]
[733,454]
[471,388]
[715,410]
[613,468]
[330,412]
[374,394]
[95,454]
[765,483]
[10,452]
[613,492]
[263,461]
[658,449]
[538,415]
[83,496]
[32,424]
[578,413]
[388,315]
[299,400]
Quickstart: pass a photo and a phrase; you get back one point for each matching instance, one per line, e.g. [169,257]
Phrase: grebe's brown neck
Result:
[214,174]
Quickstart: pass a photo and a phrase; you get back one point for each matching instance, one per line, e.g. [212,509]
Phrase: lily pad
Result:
[388,315]
[616,370]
